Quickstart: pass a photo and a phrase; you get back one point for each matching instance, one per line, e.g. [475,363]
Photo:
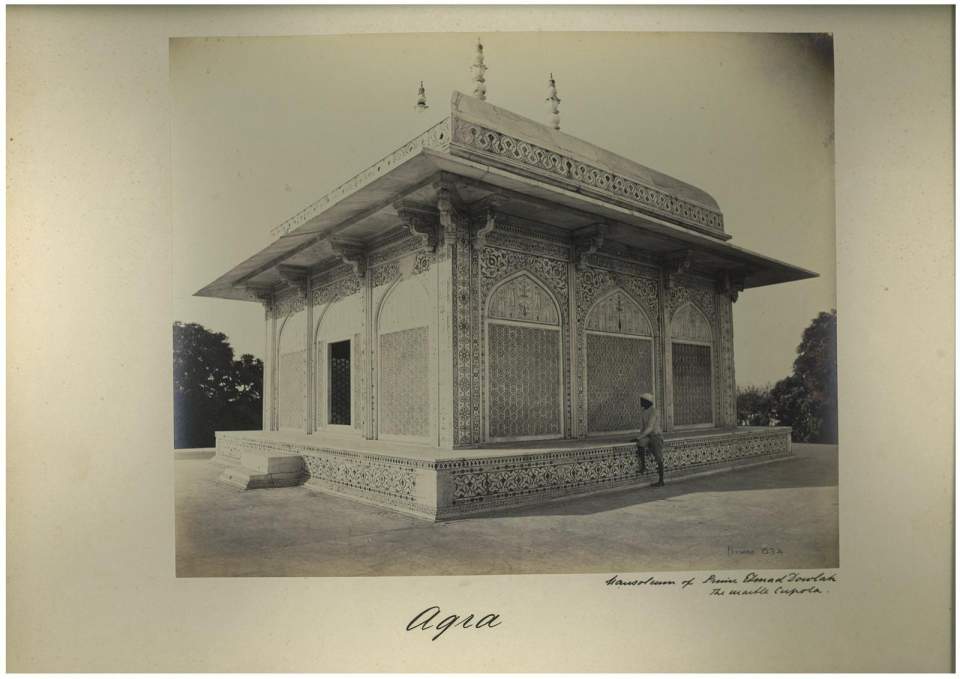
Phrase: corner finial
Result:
[422,99]
[479,68]
[554,103]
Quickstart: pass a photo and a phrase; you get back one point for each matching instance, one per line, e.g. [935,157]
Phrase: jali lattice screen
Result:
[340,382]
[524,381]
[619,369]
[290,390]
[692,384]
[404,383]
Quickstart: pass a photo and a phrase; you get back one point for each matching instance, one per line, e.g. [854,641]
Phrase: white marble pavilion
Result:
[468,324]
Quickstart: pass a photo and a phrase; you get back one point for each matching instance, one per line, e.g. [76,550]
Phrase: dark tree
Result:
[211,390]
[753,406]
[816,367]
[807,400]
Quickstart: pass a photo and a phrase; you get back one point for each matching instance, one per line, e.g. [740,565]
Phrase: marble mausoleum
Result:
[468,323]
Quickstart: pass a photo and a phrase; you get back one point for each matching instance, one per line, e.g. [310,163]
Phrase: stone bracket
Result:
[586,241]
[352,252]
[297,276]
[421,221]
[262,293]
[731,284]
[674,265]
[485,215]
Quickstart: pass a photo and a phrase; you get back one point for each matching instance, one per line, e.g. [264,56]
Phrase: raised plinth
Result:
[435,484]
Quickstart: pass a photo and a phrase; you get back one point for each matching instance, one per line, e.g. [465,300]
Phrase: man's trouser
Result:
[654,444]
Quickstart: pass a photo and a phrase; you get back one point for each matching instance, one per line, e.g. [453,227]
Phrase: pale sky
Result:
[262,127]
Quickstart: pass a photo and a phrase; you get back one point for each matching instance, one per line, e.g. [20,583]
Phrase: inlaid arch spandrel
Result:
[523,299]
[689,324]
[618,313]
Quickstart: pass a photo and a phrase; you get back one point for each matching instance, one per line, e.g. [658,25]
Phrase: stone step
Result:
[259,469]
[248,479]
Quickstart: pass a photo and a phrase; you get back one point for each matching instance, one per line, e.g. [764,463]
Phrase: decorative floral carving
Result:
[389,480]
[508,238]
[336,290]
[496,263]
[424,262]
[689,324]
[653,200]
[702,298]
[385,274]
[288,302]
[523,299]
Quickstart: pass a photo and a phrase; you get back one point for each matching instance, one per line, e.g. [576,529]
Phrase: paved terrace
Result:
[694,524]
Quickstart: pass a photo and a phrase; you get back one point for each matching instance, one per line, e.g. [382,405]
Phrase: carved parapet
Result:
[674,265]
[586,241]
[352,252]
[422,222]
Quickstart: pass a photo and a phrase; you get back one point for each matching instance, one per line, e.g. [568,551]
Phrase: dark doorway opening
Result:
[340,382]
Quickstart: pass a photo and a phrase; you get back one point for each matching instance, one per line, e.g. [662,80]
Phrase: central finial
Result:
[479,68]
[554,101]
[422,98]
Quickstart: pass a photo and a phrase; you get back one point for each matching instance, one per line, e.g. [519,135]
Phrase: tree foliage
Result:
[211,390]
[753,406]
[807,399]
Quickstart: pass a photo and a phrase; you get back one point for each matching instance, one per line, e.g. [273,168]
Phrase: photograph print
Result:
[508,303]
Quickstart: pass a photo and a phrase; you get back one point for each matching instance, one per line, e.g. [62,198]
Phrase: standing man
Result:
[650,437]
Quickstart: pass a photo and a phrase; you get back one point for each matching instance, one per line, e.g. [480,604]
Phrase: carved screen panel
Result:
[620,314]
[339,382]
[619,369]
[523,299]
[404,383]
[688,323]
[524,381]
[692,384]
[290,388]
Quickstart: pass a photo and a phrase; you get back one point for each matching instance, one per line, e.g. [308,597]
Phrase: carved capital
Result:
[675,264]
[352,252]
[731,284]
[422,222]
[297,276]
[586,241]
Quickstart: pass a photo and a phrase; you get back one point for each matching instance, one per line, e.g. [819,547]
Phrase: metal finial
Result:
[422,98]
[554,103]
[479,68]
